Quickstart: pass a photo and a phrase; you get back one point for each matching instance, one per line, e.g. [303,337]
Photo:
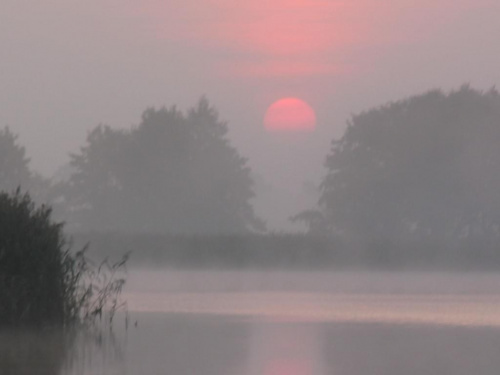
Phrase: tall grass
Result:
[42,281]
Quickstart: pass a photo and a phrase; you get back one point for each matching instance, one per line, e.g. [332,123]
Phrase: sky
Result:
[67,66]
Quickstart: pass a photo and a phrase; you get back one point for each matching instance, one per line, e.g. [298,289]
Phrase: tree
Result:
[422,168]
[14,168]
[174,173]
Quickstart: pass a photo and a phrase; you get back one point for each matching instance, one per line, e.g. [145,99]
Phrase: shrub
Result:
[43,283]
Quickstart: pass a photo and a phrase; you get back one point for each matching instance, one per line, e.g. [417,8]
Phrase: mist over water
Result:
[315,323]
[362,282]
[284,323]
[397,271]
[352,228]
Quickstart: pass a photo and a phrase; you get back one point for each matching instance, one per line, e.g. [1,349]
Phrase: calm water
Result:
[258,323]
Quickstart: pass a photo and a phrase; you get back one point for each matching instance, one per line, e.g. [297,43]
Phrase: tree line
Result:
[173,173]
[422,170]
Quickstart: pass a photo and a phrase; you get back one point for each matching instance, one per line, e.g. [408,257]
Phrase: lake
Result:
[281,323]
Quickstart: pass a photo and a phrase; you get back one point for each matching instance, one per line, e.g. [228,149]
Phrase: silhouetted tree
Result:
[427,167]
[174,173]
[43,283]
[33,260]
[14,168]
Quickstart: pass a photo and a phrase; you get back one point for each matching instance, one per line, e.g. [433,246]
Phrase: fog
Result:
[147,280]
[160,213]
[272,323]
[68,68]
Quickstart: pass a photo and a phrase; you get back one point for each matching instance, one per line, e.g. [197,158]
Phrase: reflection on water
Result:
[54,352]
[180,345]
[283,332]
[202,345]
[25,353]
[277,348]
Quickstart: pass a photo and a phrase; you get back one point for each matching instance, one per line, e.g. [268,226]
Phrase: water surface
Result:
[250,323]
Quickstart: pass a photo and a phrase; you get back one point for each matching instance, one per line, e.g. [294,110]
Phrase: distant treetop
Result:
[14,170]
[173,173]
[423,167]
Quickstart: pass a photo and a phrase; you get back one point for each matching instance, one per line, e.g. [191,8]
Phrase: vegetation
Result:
[15,170]
[220,251]
[421,170]
[174,173]
[411,182]
[42,283]
[283,251]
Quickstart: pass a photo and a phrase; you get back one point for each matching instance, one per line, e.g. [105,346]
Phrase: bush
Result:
[42,283]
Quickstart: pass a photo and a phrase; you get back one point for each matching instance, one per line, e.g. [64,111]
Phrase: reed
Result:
[43,282]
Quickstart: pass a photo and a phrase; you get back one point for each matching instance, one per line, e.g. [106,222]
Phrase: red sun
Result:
[290,114]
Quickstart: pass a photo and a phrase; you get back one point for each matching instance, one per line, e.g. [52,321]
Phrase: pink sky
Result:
[300,37]
[68,66]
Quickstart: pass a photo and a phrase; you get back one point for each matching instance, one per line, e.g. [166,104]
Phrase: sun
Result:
[290,115]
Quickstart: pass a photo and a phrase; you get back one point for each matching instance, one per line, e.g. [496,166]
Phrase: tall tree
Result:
[174,173]
[14,169]
[424,167]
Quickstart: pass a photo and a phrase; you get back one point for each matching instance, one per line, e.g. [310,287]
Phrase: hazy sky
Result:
[67,66]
